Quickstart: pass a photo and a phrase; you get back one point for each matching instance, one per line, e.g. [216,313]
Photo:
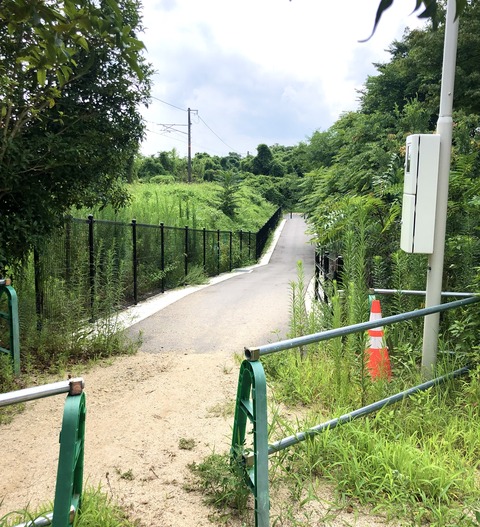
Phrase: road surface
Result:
[252,308]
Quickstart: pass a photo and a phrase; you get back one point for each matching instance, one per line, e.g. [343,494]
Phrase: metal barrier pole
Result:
[420,293]
[282,444]
[68,490]
[134,261]
[69,484]
[11,316]
[251,405]
[254,354]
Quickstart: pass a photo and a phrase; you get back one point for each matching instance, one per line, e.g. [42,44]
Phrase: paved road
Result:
[249,309]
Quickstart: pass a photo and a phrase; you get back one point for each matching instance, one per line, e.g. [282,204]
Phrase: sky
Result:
[258,71]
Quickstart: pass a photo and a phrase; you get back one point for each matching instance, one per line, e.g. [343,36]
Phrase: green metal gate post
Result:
[68,490]
[12,318]
[251,405]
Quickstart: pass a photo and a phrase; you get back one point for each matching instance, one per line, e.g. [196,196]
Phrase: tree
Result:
[415,70]
[149,167]
[262,161]
[229,182]
[72,77]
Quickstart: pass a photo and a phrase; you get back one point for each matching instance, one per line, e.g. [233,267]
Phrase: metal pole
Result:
[91,265]
[204,240]
[240,235]
[189,165]
[39,304]
[162,254]
[186,252]
[346,418]
[218,251]
[444,129]
[39,392]
[420,293]
[254,353]
[135,261]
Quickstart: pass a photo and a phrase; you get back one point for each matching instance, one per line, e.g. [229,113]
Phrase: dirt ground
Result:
[139,408]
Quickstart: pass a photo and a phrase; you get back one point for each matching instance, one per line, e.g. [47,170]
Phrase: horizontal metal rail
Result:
[444,294]
[346,418]
[46,519]
[254,353]
[72,387]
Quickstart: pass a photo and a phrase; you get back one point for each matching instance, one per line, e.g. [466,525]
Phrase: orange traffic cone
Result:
[377,359]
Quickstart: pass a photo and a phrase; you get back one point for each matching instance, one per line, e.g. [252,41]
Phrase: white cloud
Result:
[259,71]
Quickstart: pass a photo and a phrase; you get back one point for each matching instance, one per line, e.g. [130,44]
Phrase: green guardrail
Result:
[11,317]
[69,483]
[251,404]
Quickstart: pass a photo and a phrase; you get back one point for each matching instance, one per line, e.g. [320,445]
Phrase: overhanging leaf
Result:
[382,7]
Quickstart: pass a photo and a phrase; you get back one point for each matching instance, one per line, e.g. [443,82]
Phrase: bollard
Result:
[69,484]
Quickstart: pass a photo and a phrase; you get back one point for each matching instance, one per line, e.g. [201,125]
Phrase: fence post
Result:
[218,251]
[186,251]
[338,275]
[204,249]
[249,245]
[68,249]
[39,299]
[241,247]
[135,262]
[326,265]
[91,262]
[317,274]
[231,251]
[162,254]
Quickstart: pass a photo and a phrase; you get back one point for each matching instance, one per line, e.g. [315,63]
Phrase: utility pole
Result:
[444,129]
[189,166]
[189,157]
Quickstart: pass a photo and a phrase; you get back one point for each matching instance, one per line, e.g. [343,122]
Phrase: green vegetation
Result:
[221,485]
[417,461]
[97,510]
[198,206]
[72,79]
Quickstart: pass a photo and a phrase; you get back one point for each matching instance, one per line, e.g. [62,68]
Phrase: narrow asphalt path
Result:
[252,308]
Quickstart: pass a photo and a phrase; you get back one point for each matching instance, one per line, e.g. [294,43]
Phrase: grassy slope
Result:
[196,205]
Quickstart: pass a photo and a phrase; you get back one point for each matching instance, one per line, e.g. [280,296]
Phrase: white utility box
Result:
[420,193]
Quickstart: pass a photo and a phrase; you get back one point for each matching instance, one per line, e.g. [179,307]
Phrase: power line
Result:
[216,135]
[169,104]
[168,128]
[163,134]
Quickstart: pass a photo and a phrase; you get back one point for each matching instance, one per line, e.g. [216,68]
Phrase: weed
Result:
[224,409]
[186,444]
[127,475]
[416,461]
[196,276]
[221,484]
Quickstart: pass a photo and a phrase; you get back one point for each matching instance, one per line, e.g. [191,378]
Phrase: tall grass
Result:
[196,205]
[416,461]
